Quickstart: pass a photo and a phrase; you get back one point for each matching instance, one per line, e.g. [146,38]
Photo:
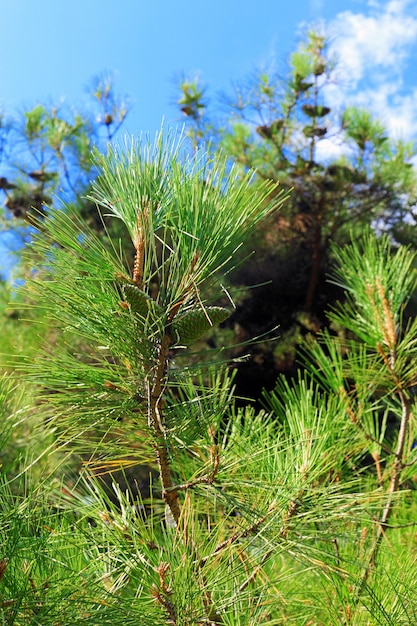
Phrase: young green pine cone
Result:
[191,325]
[139,302]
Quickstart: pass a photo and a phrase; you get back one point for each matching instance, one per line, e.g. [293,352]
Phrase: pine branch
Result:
[155,422]
[392,490]
[203,480]
[163,593]
[239,535]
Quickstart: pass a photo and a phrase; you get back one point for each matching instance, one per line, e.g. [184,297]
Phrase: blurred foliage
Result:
[345,173]
[45,152]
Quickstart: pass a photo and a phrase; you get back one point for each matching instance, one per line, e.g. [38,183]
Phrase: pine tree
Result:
[346,174]
[298,513]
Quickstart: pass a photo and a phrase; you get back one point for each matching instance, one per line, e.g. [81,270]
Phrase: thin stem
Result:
[292,510]
[203,480]
[255,572]
[237,536]
[316,255]
[163,593]
[169,490]
[356,420]
[155,422]
[393,488]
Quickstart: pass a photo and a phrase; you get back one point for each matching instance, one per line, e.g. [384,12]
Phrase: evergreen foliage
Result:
[300,513]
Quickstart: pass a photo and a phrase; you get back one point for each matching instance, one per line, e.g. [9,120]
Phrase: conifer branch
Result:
[162,594]
[203,480]
[382,523]
[355,420]
[292,509]
[238,536]
[155,422]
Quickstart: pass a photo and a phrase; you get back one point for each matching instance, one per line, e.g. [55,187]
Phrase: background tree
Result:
[46,151]
[345,173]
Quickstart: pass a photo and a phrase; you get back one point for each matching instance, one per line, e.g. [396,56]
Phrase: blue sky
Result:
[51,49]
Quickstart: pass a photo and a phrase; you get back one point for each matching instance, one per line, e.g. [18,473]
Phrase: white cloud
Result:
[330,150]
[398,112]
[374,52]
[365,43]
